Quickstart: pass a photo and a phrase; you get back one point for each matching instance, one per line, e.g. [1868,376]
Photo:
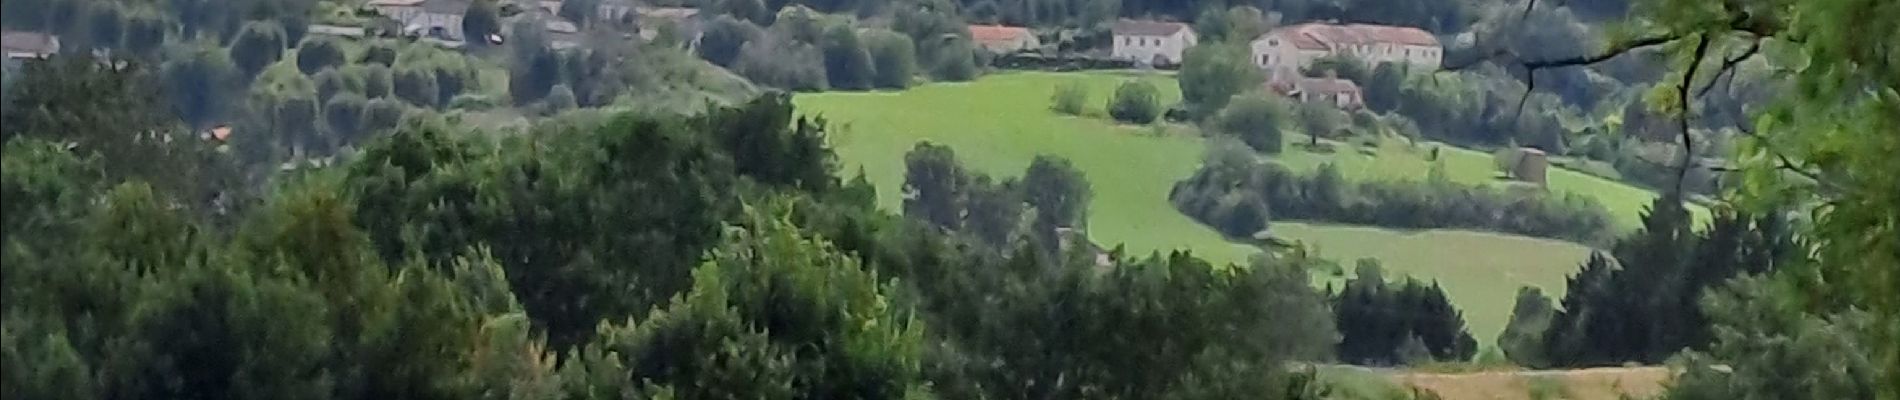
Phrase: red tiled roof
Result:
[1147,28]
[1300,38]
[1327,86]
[996,33]
[1396,34]
[1318,36]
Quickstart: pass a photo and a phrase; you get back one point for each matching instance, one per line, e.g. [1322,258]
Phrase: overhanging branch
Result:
[1728,67]
[1682,116]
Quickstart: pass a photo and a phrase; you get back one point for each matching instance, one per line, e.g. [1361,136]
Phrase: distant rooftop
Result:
[1320,36]
[1147,28]
[22,44]
[996,33]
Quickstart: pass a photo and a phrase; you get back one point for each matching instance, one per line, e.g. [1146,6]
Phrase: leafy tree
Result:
[316,54]
[332,82]
[570,270]
[782,64]
[1342,67]
[753,11]
[1767,349]
[1383,88]
[559,99]
[417,86]
[295,123]
[534,69]
[1239,24]
[1646,310]
[724,37]
[893,57]
[934,185]
[776,315]
[343,117]
[259,45]
[954,59]
[1060,194]
[1135,102]
[381,114]
[1378,320]
[1213,73]
[993,211]
[449,82]
[1069,98]
[847,64]
[799,23]
[1068,322]
[145,33]
[375,81]
[1319,119]
[1257,119]
[1523,338]
[766,143]
[379,54]
[482,19]
[200,82]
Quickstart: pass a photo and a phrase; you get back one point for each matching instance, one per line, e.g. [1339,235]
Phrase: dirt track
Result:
[1582,384]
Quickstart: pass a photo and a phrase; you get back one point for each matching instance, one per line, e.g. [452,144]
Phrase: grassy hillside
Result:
[998,124]
[1481,271]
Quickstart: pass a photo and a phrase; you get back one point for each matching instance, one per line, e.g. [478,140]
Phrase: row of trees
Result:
[1398,323]
[1640,302]
[805,50]
[1238,195]
[1050,198]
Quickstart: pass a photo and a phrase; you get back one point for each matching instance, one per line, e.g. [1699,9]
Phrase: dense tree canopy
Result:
[1642,305]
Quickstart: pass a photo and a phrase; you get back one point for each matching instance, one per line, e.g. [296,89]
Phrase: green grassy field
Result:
[999,123]
[1480,271]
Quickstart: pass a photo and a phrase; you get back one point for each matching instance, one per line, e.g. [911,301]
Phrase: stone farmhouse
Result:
[1332,91]
[1151,42]
[1284,51]
[1003,39]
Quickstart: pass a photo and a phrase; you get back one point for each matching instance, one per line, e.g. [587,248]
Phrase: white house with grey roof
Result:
[1151,42]
[1286,50]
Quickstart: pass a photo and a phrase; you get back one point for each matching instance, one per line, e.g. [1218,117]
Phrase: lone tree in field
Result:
[1069,98]
[1135,102]
[1257,120]
[1211,74]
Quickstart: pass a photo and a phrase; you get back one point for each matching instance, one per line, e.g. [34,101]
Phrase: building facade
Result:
[1003,39]
[432,18]
[1152,43]
[1286,50]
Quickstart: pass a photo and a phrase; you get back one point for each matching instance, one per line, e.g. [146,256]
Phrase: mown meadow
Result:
[997,124]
